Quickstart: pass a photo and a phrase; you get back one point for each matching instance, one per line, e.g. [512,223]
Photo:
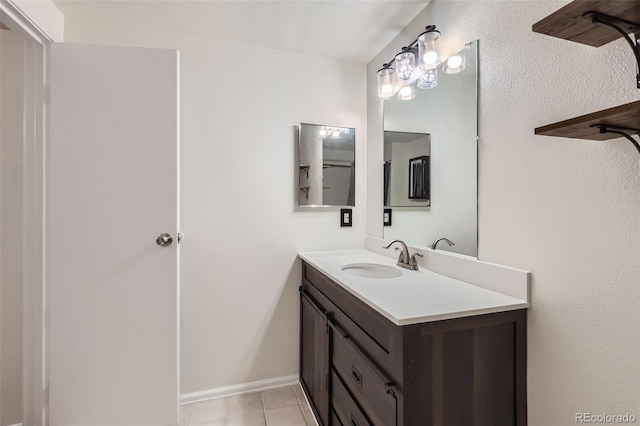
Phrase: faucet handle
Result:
[400,256]
[413,261]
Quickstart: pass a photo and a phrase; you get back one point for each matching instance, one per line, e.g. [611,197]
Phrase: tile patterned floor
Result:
[284,406]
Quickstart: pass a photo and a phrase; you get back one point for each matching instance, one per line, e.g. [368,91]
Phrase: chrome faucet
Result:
[446,240]
[405,260]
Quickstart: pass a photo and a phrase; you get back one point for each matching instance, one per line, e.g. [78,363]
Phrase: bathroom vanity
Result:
[419,349]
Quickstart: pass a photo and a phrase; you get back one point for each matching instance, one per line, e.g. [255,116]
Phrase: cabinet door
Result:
[314,357]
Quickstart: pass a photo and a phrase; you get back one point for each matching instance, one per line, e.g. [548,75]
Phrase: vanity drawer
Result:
[347,411]
[369,385]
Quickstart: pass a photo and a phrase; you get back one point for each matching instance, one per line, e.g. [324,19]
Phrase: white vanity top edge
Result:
[416,296]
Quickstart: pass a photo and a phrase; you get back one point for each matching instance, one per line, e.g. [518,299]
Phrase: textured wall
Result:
[239,319]
[565,209]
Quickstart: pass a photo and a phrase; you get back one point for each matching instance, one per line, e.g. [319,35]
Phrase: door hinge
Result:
[180,237]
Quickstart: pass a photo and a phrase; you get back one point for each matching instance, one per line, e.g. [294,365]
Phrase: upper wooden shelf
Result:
[570,23]
[627,115]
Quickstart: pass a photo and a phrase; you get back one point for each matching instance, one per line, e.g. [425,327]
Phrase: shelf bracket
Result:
[305,189]
[624,27]
[619,130]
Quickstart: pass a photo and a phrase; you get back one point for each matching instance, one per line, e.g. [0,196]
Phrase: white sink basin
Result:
[372,270]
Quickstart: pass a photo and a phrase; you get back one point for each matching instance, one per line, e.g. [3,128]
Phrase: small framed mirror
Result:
[326,166]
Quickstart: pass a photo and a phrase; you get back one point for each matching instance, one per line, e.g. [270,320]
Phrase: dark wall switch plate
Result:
[346,217]
[387,217]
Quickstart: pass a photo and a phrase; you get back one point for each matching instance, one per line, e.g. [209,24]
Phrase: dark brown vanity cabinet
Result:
[314,356]
[359,369]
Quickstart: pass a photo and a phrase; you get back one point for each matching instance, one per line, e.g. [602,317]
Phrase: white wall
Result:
[11,104]
[240,276]
[565,209]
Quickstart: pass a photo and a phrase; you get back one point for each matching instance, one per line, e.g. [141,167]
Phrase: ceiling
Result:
[347,30]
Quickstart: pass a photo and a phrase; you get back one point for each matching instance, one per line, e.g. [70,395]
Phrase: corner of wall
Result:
[44,15]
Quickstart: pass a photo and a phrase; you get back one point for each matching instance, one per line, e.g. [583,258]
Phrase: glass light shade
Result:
[406,93]
[454,64]
[322,132]
[405,63]
[428,50]
[428,80]
[386,82]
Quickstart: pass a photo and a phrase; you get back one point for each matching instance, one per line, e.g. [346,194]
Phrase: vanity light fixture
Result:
[323,132]
[398,75]
[334,132]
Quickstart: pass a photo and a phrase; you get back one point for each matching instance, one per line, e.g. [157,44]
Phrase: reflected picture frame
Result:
[419,178]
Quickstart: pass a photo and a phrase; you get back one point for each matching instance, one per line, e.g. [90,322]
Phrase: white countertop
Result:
[414,297]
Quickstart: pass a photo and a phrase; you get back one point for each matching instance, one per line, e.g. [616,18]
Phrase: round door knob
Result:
[164,240]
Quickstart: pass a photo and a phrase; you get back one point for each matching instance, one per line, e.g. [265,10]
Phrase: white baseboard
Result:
[17,424]
[225,391]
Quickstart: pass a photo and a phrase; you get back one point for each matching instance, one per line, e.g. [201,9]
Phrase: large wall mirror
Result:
[326,166]
[431,162]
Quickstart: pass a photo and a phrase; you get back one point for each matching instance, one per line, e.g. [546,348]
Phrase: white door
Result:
[112,189]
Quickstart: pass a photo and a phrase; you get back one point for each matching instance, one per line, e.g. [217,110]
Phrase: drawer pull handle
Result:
[387,382]
[353,421]
[356,376]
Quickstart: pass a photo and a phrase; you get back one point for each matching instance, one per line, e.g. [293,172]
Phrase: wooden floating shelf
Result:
[627,115]
[569,22]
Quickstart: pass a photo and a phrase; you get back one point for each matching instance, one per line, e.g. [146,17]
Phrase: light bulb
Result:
[428,49]
[386,82]
[454,62]
[430,58]
[322,132]
[406,93]
[335,134]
